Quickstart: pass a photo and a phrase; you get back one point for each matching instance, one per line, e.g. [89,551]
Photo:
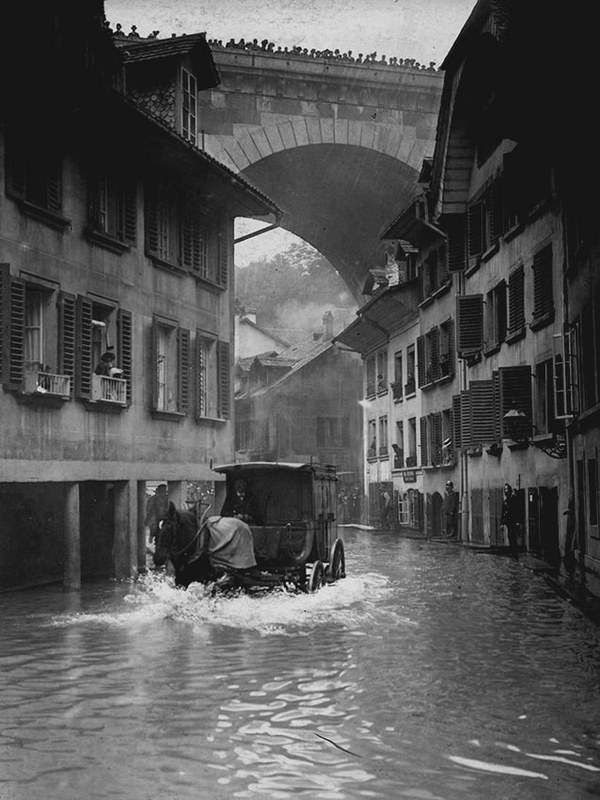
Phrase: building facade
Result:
[116,235]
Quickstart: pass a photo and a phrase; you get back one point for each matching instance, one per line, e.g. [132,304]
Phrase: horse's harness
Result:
[188,546]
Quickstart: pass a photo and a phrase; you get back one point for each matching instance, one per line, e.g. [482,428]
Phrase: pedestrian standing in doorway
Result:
[510,519]
[450,511]
[386,509]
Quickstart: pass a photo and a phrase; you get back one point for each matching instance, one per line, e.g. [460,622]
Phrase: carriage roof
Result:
[322,471]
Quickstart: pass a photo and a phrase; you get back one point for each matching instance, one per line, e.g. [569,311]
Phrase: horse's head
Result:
[166,538]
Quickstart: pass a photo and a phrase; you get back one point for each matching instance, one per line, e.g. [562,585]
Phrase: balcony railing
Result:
[37,382]
[109,390]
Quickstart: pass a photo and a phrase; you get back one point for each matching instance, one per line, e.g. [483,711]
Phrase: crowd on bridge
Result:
[299,52]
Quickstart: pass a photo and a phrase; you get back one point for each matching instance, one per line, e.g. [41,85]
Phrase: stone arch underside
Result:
[338,198]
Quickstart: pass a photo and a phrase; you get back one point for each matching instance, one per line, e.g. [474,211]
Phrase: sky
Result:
[419,29]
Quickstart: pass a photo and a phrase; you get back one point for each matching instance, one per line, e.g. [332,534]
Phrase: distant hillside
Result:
[291,292]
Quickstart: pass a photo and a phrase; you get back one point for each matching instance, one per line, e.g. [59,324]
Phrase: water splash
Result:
[349,603]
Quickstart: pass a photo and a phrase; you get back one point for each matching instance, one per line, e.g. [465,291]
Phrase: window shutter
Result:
[183,370]
[223,253]
[496,402]
[83,351]
[434,354]
[456,421]
[190,250]
[516,300]
[469,316]
[125,351]
[435,429]
[496,211]
[456,233]
[515,394]
[466,436]
[95,189]
[224,377]
[66,335]
[54,188]
[542,283]
[451,346]
[475,229]
[154,363]
[424,449]
[12,314]
[152,220]
[482,411]
[421,367]
[129,220]
[16,171]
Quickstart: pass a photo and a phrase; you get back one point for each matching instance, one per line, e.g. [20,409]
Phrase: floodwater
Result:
[430,672]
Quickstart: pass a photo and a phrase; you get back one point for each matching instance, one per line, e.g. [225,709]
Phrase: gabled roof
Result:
[193,45]
[251,324]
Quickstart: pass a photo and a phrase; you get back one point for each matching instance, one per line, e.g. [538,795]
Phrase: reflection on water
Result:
[429,672]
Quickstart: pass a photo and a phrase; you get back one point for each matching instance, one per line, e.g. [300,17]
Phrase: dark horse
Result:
[182,540]
[219,549]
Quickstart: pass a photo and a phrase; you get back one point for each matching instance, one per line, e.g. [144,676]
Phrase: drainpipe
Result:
[464,458]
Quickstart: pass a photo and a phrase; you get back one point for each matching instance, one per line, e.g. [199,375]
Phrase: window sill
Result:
[104,406]
[541,207]
[426,302]
[445,379]
[475,451]
[214,421]
[427,386]
[106,241]
[514,231]
[541,322]
[443,289]
[381,392]
[50,218]
[167,266]
[473,269]
[516,335]
[174,416]
[398,399]
[491,251]
[208,283]
[491,351]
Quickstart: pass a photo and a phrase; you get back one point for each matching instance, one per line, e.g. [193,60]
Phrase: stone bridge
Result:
[337,144]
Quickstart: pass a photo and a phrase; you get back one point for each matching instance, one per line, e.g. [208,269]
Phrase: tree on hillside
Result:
[292,287]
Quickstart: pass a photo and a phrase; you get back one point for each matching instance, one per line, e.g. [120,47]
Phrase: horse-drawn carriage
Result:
[290,536]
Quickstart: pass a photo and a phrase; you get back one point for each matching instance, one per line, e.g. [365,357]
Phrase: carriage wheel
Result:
[317,575]
[337,561]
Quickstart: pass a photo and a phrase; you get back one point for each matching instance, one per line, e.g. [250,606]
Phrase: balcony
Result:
[37,382]
[109,390]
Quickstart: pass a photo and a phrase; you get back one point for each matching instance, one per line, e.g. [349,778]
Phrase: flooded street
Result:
[429,672]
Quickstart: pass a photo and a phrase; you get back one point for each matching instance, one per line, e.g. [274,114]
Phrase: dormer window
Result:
[189,106]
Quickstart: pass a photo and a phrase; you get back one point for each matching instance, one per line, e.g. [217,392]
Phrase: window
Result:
[371,383]
[411,460]
[516,302]
[446,349]
[382,371]
[543,301]
[189,113]
[398,446]
[34,173]
[372,438]
[484,220]
[212,377]
[434,425]
[515,395]
[447,438]
[383,436]
[112,208]
[397,383]
[424,438]
[410,386]
[456,242]
[544,398]
[403,509]
[496,316]
[33,328]
[170,356]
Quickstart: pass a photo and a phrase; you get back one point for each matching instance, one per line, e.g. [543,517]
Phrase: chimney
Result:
[328,323]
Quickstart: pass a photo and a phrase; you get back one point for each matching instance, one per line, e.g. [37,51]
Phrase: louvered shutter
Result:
[54,188]
[12,317]
[469,317]
[435,433]
[543,303]
[199,377]
[456,422]
[129,213]
[451,346]
[83,347]
[421,366]
[466,436]
[424,442]
[513,187]
[482,412]
[456,233]
[475,229]
[516,300]
[224,378]
[66,335]
[496,402]
[152,220]
[515,394]
[496,211]
[125,348]
[183,370]
[223,241]
[191,235]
